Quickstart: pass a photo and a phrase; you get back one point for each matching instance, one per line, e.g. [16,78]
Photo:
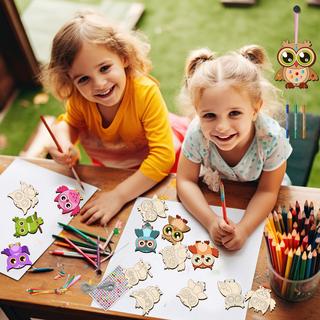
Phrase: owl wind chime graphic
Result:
[296,59]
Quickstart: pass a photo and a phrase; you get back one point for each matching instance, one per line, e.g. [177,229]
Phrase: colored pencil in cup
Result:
[304,123]
[60,150]
[223,202]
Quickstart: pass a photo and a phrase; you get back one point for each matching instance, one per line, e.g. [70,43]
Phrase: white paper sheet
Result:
[45,182]
[239,265]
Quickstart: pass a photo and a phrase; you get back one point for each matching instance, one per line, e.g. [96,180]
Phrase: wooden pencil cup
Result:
[292,290]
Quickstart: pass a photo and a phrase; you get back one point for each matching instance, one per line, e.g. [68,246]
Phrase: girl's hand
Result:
[69,158]
[103,206]
[219,229]
[236,240]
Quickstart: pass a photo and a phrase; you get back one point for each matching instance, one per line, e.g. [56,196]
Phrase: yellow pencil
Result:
[287,271]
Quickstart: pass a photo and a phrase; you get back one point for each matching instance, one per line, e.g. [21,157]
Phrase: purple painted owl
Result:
[68,200]
[18,256]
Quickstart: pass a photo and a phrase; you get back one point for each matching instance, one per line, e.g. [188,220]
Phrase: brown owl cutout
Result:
[174,230]
[296,61]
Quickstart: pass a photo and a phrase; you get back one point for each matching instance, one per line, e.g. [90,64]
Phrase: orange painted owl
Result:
[204,254]
[296,60]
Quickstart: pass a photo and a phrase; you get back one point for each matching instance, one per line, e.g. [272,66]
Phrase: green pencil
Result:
[77,231]
[79,243]
[303,266]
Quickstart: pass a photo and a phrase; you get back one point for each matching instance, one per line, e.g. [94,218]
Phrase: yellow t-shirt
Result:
[139,135]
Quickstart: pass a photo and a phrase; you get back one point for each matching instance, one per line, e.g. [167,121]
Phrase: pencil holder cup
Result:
[292,290]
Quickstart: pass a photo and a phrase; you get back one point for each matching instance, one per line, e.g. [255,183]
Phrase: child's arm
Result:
[260,205]
[66,135]
[108,203]
[194,201]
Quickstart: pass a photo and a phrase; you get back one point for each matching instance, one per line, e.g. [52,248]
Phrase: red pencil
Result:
[71,254]
[81,252]
[223,203]
[60,150]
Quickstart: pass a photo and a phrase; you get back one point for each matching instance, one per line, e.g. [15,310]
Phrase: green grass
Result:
[176,27]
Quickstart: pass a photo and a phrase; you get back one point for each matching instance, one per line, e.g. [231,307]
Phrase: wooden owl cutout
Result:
[24,198]
[296,60]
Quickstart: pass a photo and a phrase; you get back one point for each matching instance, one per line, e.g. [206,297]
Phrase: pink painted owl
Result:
[68,200]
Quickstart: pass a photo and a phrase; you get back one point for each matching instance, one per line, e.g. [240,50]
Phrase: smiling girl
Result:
[231,138]
[113,107]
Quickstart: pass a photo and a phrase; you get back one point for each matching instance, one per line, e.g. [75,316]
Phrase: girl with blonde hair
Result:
[232,137]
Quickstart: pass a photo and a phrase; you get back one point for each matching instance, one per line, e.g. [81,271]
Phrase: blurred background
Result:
[173,28]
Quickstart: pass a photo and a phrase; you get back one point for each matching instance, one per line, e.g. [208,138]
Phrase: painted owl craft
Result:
[27,225]
[146,241]
[296,60]
[204,254]
[68,200]
[174,230]
[25,198]
[18,256]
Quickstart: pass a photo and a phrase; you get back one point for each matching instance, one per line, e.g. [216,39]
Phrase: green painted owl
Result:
[27,225]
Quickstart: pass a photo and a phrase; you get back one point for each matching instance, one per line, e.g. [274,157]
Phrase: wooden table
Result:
[74,304]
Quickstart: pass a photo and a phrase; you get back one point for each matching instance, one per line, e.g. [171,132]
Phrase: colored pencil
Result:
[98,270]
[40,270]
[78,243]
[223,202]
[81,252]
[60,150]
[287,121]
[77,231]
[84,249]
[295,115]
[71,254]
[304,124]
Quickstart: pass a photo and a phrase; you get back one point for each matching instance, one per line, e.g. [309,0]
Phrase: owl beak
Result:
[296,64]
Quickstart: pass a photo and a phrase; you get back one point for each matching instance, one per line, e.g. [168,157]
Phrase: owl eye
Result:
[306,57]
[177,236]
[167,229]
[63,198]
[141,243]
[150,244]
[22,258]
[13,261]
[208,260]
[196,260]
[286,57]
[68,205]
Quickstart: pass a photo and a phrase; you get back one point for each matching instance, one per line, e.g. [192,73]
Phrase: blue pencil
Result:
[308,269]
[287,121]
[295,121]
